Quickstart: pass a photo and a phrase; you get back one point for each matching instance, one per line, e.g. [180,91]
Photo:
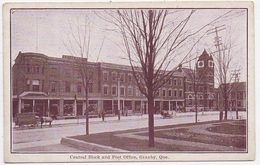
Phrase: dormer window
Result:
[200,64]
[210,63]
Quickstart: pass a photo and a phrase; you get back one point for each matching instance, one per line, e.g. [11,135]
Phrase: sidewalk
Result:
[135,117]
[130,117]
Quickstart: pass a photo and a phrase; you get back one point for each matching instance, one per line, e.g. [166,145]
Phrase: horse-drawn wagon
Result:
[31,119]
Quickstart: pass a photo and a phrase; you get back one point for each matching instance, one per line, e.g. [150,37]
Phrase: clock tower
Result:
[205,68]
[205,79]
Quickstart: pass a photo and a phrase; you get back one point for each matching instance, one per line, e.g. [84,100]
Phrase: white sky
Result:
[42,30]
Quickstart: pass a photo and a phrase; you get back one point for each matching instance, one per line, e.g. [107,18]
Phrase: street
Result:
[48,139]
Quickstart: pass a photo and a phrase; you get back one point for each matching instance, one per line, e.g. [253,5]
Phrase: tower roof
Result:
[205,56]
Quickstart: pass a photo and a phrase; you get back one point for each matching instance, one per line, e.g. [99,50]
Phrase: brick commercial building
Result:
[52,86]
[236,98]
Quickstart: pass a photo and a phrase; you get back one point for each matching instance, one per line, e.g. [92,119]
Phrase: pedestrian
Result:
[103,113]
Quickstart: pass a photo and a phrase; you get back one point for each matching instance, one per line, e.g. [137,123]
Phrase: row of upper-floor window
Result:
[35,69]
[235,103]
[131,91]
[170,93]
[201,88]
[237,95]
[53,71]
[200,96]
[124,77]
[54,86]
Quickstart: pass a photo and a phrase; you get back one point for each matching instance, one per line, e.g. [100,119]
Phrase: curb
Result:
[86,146]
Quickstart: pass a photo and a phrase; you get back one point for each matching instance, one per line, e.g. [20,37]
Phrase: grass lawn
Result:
[220,133]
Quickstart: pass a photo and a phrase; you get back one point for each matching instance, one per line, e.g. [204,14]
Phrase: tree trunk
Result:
[150,65]
[225,101]
[226,108]
[87,111]
[151,120]
[196,107]
[236,114]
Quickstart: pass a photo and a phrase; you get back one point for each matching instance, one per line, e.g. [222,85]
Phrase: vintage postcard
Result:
[129,82]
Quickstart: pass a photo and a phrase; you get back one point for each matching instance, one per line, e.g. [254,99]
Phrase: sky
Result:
[46,30]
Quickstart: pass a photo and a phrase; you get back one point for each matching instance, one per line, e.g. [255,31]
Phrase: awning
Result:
[33,94]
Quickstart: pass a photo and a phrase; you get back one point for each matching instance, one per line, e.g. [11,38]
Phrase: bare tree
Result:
[152,39]
[77,41]
[224,65]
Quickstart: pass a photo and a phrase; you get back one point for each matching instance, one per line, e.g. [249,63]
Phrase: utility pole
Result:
[216,30]
[235,75]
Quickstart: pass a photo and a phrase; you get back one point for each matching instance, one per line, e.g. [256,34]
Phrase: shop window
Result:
[68,108]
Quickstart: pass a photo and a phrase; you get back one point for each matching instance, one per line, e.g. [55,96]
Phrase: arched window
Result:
[114,76]
[122,90]
[130,91]
[105,89]
[170,92]
[105,76]
[114,90]
[180,93]
[175,93]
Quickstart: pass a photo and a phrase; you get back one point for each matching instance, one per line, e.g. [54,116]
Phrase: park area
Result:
[214,136]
